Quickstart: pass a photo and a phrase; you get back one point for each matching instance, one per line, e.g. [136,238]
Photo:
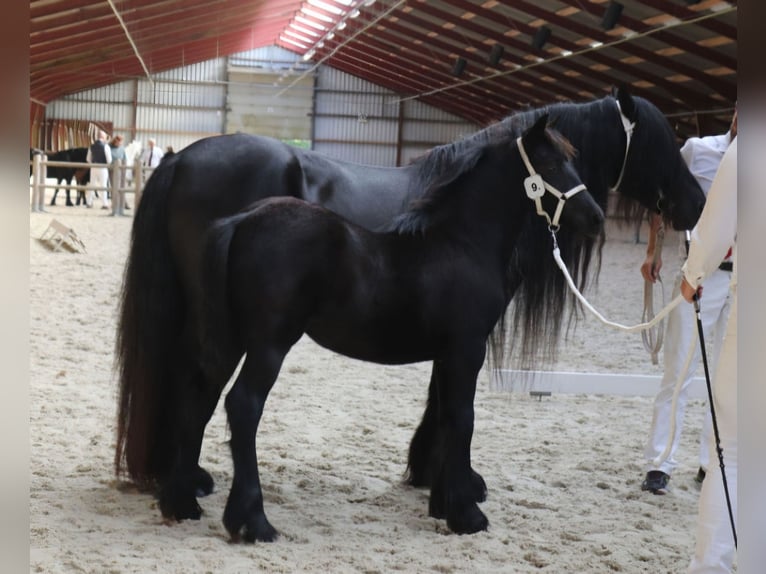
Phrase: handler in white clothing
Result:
[715,231]
[703,156]
[99,153]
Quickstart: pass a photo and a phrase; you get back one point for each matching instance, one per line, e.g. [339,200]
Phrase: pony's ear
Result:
[535,135]
[627,104]
[537,130]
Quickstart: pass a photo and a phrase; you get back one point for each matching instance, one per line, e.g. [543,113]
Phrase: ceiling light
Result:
[496,54]
[541,37]
[611,15]
[459,66]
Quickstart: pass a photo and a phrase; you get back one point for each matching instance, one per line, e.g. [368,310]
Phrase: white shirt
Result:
[716,229]
[152,156]
[703,156]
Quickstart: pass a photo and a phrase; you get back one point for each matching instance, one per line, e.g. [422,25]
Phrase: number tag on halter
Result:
[534,186]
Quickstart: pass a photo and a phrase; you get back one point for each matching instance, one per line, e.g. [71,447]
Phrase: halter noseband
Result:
[628,126]
[536,187]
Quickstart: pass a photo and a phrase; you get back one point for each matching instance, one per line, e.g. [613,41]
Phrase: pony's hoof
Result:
[179,507]
[470,522]
[203,482]
[253,528]
[418,478]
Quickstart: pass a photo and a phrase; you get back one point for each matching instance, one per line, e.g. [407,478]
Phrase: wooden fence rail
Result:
[117,178]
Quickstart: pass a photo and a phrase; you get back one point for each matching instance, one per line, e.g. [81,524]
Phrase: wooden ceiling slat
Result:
[672,90]
[628,47]
[441,61]
[79,44]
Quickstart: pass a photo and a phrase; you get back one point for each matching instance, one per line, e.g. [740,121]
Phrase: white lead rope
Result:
[640,327]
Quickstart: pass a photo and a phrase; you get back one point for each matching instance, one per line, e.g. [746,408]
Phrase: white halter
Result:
[628,126]
[536,187]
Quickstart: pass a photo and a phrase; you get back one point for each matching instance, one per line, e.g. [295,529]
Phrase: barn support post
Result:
[138,180]
[116,189]
[38,182]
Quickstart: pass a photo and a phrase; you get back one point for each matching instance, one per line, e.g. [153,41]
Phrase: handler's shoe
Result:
[656,482]
[700,476]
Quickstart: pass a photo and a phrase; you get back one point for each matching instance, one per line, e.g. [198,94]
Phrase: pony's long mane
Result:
[445,164]
[540,302]
[535,285]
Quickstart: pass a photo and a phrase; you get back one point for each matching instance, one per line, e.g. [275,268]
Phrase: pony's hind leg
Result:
[244,515]
[195,395]
[424,459]
[196,399]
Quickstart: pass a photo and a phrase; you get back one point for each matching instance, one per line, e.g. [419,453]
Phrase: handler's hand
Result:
[688,291]
[649,270]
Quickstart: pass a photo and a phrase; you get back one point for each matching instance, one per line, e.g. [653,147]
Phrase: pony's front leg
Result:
[424,456]
[453,493]
[244,514]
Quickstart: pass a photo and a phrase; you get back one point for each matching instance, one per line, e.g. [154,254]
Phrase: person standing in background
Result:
[152,154]
[118,162]
[703,156]
[99,152]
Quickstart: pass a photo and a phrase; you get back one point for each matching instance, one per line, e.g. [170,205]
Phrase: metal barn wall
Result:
[424,127]
[365,123]
[258,100]
[269,91]
[176,108]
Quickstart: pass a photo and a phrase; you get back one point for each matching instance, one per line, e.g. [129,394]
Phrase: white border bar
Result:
[585,383]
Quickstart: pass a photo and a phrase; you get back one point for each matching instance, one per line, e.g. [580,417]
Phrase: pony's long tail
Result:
[151,319]
[217,336]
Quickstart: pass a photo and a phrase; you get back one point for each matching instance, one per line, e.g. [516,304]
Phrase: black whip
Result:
[718,448]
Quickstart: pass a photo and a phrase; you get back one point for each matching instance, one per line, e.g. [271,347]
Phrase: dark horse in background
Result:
[219,176]
[65,173]
[431,289]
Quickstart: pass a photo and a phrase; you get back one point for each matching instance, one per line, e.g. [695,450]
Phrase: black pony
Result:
[433,288]
[219,176]
[67,173]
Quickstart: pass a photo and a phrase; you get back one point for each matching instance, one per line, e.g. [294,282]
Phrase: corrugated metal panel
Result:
[255,105]
[184,95]
[354,130]
[178,107]
[348,117]
[270,57]
[425,127]
[351,114]
[208,71]
[261,97]
[360,153]
[353,119]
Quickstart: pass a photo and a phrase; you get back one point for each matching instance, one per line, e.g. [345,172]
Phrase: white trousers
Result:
[99,176]
[680,335]
[714,551]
